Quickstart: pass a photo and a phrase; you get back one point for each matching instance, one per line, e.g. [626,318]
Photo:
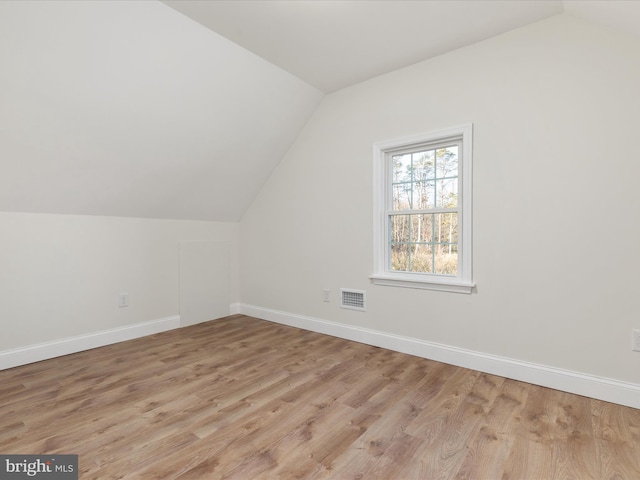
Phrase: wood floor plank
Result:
[617,438]
[242,398]
[490,445]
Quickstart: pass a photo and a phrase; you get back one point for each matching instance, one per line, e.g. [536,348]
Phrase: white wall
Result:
[61,275]
[205,280]
[555,111]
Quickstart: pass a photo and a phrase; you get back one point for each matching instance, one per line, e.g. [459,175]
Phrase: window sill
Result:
[409,281]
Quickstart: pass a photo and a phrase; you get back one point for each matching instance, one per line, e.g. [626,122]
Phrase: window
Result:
[422,211]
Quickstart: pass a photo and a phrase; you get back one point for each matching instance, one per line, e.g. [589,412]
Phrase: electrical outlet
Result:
[326,295]
[635,334]
[123,300]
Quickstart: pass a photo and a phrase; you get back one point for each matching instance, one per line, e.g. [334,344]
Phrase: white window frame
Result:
[462,282]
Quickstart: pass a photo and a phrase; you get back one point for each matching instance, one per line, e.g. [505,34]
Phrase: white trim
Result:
[411,282]
[44,351]
[601,388]
[461,283]
[234,309]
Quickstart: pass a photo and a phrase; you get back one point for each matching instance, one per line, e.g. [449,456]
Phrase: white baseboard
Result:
[65,346]
[234,308]
[573,382]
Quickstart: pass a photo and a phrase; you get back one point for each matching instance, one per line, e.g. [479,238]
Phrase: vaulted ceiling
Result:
[132,109]
[182,109]
[331,45]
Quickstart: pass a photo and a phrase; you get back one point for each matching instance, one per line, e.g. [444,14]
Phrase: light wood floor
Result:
[247,399]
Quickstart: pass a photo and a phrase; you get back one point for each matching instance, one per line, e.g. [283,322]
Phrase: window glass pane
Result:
[447,193]
[423,195]
[447,162]
[446,228]
[422,228]
[446,263]
[401,196]
[402,168]
[399,228]
[402,182]
[399,257]
[421,258]
[423,165]
[446,247]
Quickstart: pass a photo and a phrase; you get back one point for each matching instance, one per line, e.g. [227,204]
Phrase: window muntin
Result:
[422,219]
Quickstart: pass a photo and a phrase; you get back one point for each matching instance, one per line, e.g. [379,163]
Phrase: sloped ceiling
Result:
[132,109]
[334,44]
[135,109]
[620,15]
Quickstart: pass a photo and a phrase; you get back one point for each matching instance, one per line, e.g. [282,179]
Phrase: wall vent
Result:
[353,299]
